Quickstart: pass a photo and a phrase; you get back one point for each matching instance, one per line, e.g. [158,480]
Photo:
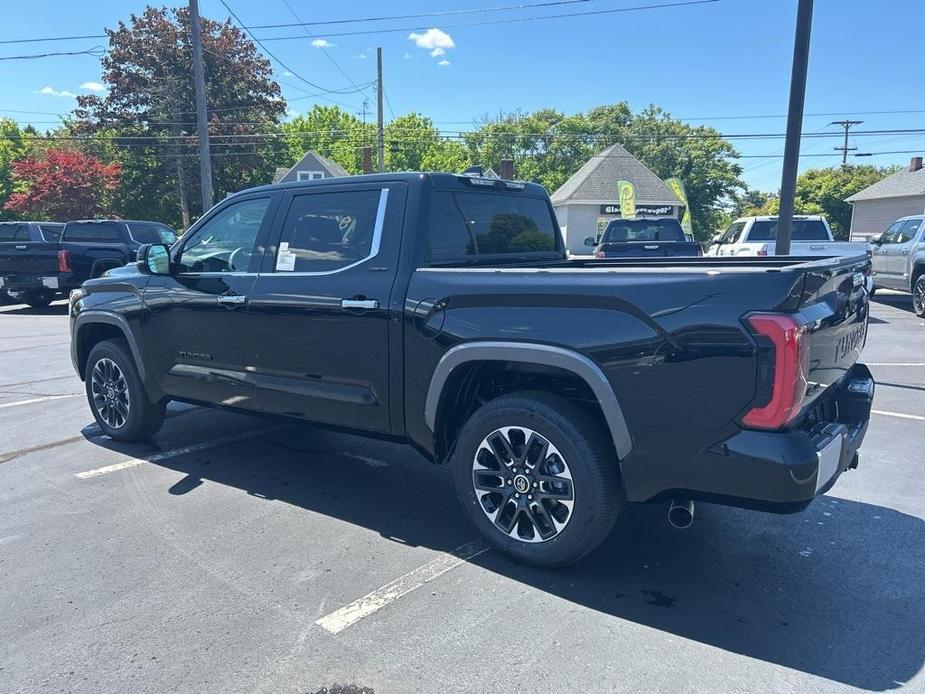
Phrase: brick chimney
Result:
[915,164]
[367,160]
[507,169]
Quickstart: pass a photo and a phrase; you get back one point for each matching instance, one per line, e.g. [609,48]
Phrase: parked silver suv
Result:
[899,259]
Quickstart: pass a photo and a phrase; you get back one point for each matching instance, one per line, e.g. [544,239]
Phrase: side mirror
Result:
[589,241]
[154,259]
[719,237]
[876,240]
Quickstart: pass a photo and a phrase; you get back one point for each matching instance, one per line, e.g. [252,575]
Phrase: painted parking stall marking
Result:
[884,413]
[44,398]
[193,448]
[337,621]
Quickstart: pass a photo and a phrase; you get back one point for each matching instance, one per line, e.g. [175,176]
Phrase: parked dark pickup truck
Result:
[17,237]
[644,238]
[37,272]
[441,310]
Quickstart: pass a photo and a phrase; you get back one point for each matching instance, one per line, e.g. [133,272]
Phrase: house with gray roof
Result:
[588,200]
[898,195]
[310,167]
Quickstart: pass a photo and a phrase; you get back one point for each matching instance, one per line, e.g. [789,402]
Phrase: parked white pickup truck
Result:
[811,235]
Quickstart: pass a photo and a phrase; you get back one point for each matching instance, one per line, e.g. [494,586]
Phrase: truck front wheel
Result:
[116,395]
[538,478]
[918,296]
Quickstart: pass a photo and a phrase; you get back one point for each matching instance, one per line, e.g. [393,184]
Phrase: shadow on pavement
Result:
[899,300]
[837,591]
[58,308]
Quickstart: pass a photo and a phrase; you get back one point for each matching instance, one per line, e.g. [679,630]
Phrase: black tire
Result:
[140,418]
[596,492]
[38,301]
[918,296]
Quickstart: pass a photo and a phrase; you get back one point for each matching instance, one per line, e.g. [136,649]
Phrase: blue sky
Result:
[710,63]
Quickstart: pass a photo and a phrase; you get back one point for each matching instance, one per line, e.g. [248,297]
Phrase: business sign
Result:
[647,210]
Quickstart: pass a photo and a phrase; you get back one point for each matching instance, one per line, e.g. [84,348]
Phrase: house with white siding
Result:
[898,195]
[588,200]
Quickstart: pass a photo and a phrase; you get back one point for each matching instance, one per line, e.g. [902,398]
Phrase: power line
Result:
[443,13]
[96,52]
[844,149]
[508,20]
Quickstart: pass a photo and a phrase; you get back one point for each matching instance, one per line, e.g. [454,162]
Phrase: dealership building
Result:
[588,200]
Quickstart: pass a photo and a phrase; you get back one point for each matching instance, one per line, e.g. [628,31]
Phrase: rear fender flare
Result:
[545,355]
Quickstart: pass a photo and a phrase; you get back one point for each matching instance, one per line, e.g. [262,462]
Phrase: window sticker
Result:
[285,259]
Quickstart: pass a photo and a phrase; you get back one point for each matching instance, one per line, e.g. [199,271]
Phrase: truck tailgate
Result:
[651,249]
[834,301]
[28,258]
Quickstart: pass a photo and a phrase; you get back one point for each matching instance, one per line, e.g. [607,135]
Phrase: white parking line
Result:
[916,417]
[339,620]
[42,399]
[132,462]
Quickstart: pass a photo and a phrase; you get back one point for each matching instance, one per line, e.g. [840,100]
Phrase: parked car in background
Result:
[37,272]
[17,238]
[644,238]
[442,310]
[810,235]
[898,258]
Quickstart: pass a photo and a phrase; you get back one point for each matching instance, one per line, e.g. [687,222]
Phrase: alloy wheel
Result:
[110,393]
[523,484]
[918,296]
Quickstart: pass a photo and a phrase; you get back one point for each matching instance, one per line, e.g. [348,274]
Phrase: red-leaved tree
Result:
[63,185]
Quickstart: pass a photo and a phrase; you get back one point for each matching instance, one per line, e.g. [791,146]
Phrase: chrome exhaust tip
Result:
[681,514]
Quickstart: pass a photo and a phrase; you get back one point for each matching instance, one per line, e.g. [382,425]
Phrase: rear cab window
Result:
[144,233]
[92,231]
[802,230]
[622,230]
[468,225]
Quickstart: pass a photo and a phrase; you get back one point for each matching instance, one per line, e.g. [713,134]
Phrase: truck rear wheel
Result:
[116,395]
[37,301]
[536,475]
[918,296]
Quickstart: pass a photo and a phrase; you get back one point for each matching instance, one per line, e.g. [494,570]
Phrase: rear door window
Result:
[51,232]
[621,230]
[908,230]
[92,231]
[463,225]
[144,233]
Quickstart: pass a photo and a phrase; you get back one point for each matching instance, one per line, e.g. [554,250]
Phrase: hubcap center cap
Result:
[522,484]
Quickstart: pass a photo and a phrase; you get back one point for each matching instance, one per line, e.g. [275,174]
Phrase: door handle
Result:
[817,247]
[905,252]
[364,304]
[234,299]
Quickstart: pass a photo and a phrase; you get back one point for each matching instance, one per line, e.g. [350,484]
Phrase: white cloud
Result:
[323,43]
[432,38]
[51,91]
[443,63]
[360,56]
[93,86]
[287,74]
[406,56]
[291,113]
[437,52]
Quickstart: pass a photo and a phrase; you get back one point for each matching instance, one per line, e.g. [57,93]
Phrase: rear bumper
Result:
[785,471]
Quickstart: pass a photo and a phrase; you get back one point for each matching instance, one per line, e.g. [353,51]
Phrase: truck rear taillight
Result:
[788,341]
[64,261]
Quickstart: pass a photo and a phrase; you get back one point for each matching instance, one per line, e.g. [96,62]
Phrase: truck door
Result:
[320,312]
[898,253]
[196,328]
[880,257]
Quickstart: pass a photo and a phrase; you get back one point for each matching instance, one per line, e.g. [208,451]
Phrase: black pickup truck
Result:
[37,272]
[17,237]
[441,310]
[644,238]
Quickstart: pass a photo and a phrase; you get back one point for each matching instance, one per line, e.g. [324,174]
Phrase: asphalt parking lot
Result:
[240,554]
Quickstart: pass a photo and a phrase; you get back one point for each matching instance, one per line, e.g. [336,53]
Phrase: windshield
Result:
[620,230]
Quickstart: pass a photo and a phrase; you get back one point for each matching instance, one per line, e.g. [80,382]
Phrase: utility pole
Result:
[788,183]
[202,124]
[846,124]
[380,132]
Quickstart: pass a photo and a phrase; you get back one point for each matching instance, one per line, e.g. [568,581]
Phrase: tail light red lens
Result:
[64,261]
[789,368]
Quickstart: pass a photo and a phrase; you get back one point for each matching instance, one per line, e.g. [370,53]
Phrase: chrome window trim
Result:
[373,249]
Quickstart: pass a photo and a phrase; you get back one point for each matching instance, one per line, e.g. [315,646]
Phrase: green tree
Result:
[413,143]
[823,191]
[12,148]
[331,132]
[752,202]
[149,105]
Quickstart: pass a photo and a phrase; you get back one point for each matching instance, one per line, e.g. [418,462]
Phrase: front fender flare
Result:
[529,353]
[92,316]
